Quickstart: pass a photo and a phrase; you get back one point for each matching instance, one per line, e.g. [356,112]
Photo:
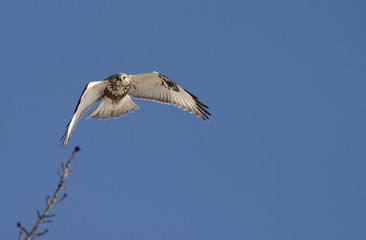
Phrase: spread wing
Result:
[157,87]
[93,92]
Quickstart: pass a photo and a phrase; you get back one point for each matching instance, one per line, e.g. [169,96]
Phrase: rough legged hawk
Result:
[117,89]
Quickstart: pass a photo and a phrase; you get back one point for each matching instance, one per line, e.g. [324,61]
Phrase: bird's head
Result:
[120,77]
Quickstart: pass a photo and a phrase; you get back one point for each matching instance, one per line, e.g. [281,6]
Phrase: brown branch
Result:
[50,202]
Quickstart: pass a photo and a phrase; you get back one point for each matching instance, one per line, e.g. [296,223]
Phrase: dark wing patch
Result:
[169,84]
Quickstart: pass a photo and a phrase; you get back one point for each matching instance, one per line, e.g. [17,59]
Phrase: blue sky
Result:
[283,156]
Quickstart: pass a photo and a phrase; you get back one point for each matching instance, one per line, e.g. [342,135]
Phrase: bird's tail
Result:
[109,109]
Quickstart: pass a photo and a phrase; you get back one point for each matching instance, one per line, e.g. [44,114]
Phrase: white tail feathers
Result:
[109,109]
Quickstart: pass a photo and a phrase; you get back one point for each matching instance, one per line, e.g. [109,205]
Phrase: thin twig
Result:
[50,202]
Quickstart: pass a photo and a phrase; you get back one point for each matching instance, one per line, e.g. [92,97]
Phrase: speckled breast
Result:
[116,91]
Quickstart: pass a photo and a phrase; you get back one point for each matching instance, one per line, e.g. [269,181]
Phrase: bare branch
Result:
[22,229]
[50,202]
[40,234]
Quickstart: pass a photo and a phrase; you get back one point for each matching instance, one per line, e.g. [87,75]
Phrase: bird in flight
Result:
[116,91]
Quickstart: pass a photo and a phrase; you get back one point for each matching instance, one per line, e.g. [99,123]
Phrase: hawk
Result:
[116,91]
